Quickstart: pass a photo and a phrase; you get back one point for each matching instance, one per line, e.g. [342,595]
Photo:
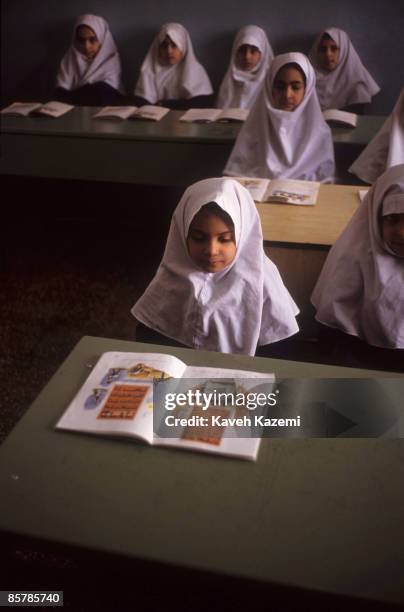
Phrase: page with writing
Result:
[115,112]
[150,112]
[200,115]
[22,109]
[117,397]
[233,114]
[219,422]
[290,191]
[257,187]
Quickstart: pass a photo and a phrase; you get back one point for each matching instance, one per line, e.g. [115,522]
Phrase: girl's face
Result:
[328,54]
[169,53]
[288,89]
[211,242]
[87,42]
[392,228]
[247,57]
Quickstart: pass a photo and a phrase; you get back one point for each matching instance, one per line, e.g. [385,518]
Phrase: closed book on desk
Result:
[148,112]
[340,118]
[25,109]
[283,191]
[209,115]
[185,410]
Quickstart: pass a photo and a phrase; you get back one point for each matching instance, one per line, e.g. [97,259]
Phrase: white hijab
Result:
[240,88]
[275,143]
[349,82]
[361,286]
[232,310]
[184,80]
[386,149]
[76,70]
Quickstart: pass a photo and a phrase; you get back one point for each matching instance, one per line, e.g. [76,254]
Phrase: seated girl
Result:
[385,150]
[285,134]
[250,58]
[342,80]
[171,75]
[215,288]
[360,291]
[90,72]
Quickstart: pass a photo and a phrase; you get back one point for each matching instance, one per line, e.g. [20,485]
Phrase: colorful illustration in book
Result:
[123,401]
[297,197]
[145,372]
[95,398]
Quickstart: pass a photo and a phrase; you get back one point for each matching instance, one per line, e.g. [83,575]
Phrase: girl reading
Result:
[285,134]
[215,288]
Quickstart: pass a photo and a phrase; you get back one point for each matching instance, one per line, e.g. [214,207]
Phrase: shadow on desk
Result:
[91,581]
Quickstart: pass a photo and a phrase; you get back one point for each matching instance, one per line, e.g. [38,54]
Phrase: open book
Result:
[23,109]
[286,191]
[340,118]
[208,115]
[119,399]
[148,111]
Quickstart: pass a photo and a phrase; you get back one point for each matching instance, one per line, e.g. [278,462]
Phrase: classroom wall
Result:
[35,34]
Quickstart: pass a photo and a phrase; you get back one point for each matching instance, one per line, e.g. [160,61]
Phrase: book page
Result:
[214,413]
[22,109]
[340,117]
[54,109]
[200,115]
[150,112]
[290,191]
[117,397]
[362,193]
[116,112]
[256,186]
[233,114]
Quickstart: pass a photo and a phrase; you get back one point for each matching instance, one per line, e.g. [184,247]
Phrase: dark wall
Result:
[35,34]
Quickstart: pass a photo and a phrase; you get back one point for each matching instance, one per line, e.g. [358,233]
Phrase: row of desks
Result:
[76,146]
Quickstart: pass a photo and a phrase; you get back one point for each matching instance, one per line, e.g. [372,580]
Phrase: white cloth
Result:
[275,143]
[386,149]
[240,88]
[361,286]
[349,82]
[76,70]
[232,310]
[184,80]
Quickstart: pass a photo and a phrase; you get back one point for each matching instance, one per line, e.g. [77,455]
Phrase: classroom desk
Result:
[298,238]
[76,146]
[321,514]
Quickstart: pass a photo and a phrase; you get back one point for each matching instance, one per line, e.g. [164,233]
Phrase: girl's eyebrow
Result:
[198,231]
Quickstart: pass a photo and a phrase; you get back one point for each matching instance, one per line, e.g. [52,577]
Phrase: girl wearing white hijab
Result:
[170,74]
[250,58]
[285,134]
[90,72]
[342,79]
[215,288]
[360,290]
[385,150]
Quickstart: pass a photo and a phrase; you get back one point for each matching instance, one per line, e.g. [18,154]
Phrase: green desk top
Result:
[79,123]
[320,514]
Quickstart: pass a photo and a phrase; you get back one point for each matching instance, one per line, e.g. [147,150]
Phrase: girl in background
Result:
[360,291]
[342,80]
[250,59]
[285,134]
[90,72]
[385,150]
[171,75]
[215,288]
